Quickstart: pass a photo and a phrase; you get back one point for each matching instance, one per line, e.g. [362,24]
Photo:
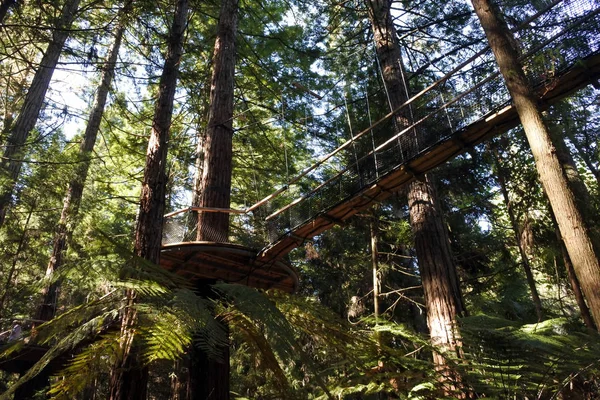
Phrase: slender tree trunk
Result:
[518,238]
[374,228]
[15,147]
[216,172]
[129,377]
[570,219]
[5,5]
[210,378]
[438,273]
[575,286]
[67,222]
[583,308]
[15,260]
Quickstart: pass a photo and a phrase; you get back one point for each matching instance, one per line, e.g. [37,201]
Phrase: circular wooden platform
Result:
[227,262]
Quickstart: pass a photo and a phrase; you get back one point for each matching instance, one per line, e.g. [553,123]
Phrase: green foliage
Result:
[506,359]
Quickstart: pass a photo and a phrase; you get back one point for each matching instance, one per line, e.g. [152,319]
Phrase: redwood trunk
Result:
[129,377]
[67,222]
[15,146]
[575,286]
[583,308]
[209,378]
[216,171]
[570,219]
[374,227]
[438,273]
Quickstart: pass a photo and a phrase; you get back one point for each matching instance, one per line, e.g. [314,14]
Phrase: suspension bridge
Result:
[454,113]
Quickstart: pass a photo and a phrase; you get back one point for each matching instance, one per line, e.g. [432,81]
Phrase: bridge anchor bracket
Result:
[418,176]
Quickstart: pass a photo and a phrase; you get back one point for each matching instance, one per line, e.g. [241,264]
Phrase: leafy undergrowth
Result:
[556,358]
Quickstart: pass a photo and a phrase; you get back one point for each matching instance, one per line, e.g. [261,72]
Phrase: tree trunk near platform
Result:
[12,159]
[129,377]
[72,200]
[216,172]
[576,236]
[438,276]
[438,273]
[209,378]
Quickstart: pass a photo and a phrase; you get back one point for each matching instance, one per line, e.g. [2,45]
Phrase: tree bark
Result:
[67,222]
[210,377]
[15,147]
[570,219]
[217,167]
[583,308]
[129,377]
[535,298]
[374,228]
[438,273]
[575,286]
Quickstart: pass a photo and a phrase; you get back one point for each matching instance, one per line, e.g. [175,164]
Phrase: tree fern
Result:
[536,360]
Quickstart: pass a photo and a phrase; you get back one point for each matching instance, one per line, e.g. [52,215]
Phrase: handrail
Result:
[389,115]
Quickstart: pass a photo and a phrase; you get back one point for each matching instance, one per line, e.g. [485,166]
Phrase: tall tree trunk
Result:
[15,146]
[570,219]
[500,176]
[438,273]
[5,5]
[374,228]
[216,172]
[129,378]
[583,308]
[67,222]
[210,380]
[575,286]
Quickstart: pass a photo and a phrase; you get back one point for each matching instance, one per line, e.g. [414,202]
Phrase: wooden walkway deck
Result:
[583,73]
[228,262]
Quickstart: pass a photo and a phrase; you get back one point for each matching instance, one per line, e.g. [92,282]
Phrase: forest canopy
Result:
[299,199]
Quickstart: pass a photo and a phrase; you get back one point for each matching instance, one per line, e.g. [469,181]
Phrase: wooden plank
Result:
[228,262]
[578,76]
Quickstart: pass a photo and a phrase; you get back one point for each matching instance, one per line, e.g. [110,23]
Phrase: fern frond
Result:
[507,359]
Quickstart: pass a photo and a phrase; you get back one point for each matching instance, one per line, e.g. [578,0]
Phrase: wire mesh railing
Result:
[247,229]
[554,41]
[550,42]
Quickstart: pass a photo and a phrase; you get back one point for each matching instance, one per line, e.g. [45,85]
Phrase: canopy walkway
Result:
[455,112]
